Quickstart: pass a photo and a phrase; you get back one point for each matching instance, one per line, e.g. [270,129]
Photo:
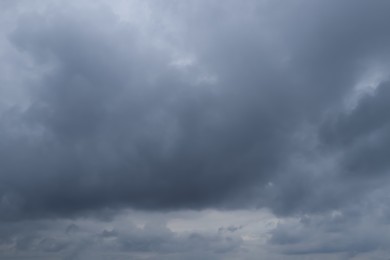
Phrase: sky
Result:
[196,129]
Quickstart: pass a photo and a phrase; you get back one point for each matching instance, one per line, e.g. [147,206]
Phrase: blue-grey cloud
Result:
[195,105]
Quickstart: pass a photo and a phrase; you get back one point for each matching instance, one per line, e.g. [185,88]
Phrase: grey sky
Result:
[181,111]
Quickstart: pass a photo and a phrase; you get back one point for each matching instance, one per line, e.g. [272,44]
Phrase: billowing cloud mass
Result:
[197,129]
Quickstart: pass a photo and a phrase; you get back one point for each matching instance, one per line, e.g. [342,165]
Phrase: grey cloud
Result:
[114,133]
[111,123]
[53,239]
[199,105]
[349,232]
[362,134]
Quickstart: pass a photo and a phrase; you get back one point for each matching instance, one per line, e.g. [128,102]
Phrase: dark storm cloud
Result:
[205,105]
[116,125]
[193,105]
[363,134]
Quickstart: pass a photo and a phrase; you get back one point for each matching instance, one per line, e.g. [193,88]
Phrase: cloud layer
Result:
[170,106]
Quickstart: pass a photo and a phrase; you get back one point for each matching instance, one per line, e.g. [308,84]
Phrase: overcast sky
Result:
[194,129]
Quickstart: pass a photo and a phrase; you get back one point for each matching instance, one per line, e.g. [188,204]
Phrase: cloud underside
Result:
[199,105]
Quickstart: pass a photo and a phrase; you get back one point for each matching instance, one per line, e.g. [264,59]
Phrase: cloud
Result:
[81,239]
[195,105]
[350,233]
[362,134]
[111,124]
